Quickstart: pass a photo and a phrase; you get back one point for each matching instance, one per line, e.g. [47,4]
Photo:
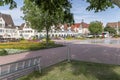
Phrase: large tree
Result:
[111,30]
[95,28]
[97,5]
[12,3]
[44,14]
[102,5]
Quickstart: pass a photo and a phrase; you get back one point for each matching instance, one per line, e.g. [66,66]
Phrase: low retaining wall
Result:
[12,71]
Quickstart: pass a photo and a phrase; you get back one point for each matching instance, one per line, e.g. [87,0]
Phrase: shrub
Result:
[3,52]
[22,39]
[116,36]
[15,51]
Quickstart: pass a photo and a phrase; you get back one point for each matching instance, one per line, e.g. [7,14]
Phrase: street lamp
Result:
[68,53]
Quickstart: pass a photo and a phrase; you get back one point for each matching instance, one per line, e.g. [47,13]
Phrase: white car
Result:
[90,36]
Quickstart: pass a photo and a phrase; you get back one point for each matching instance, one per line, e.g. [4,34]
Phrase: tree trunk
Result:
[47,36]
[116,2]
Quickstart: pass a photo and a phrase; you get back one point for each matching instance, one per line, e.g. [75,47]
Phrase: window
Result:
[0,25]
[0,30]
[26,35]
[10,25]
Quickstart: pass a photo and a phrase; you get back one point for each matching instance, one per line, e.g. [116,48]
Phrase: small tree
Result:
[111,30]
[95,28]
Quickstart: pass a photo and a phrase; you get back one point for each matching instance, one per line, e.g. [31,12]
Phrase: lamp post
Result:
[68,53]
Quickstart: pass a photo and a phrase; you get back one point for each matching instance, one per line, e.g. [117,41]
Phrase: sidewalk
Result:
[49,56]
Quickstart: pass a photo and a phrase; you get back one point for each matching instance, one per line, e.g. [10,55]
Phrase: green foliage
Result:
[116,2]
[22,39]
[111,30]
[34,38]
[15,51]
[3,52]
[77,70]
[116,36]
[99,5]
[95,27]
[11,3]
[69,38]
[42,14]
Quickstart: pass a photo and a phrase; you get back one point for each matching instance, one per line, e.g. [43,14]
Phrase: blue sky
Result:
[78,9]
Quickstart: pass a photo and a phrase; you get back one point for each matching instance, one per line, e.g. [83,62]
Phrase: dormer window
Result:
[0,19]
[9,25]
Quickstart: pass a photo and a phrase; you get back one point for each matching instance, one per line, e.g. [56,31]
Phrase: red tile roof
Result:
[77,25]
[85,25]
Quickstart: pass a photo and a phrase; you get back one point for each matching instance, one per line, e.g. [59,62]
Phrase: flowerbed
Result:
[18,47]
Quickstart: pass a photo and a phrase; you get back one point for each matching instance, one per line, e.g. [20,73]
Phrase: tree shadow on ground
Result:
[36,75]
[73,69]
[99,71]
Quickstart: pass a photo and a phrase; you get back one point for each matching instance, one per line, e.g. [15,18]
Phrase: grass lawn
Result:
[77,70]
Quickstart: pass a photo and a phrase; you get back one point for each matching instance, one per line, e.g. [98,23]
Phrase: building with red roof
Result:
[81,28]
[115,25]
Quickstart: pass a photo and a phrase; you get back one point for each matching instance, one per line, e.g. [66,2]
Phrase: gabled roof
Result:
[113,24]
[65,26]
[77,25]
[22,26]
[84,25]
[8,20]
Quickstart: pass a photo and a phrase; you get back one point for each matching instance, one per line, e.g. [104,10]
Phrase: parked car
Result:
[104,35]
[90,36]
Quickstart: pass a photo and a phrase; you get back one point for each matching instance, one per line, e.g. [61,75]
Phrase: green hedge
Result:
[3,52]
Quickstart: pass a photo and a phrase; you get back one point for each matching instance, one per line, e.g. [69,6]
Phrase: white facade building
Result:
[59,31]
[80,28]
[9,30]
[27,32]
[7,27]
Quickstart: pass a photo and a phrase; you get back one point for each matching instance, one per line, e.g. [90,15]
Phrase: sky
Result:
[78,9]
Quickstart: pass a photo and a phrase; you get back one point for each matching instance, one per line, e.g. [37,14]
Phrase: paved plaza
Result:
[100,53]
